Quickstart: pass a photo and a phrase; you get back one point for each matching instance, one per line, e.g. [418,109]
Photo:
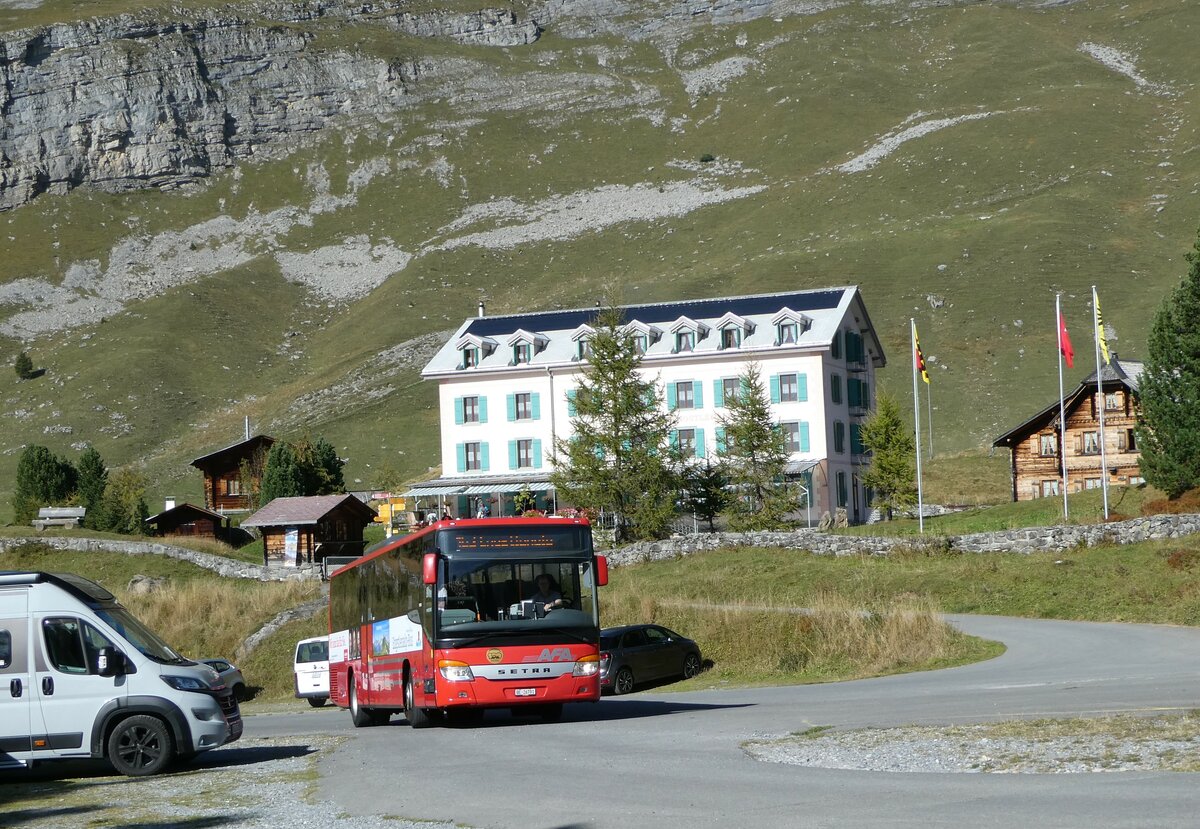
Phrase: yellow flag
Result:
[918,357]
[1100,328]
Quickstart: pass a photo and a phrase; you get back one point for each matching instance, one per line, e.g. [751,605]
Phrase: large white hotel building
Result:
[506,387]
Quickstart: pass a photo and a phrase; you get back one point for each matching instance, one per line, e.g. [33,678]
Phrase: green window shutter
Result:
[674,438]
[835,349]
[483,458]
[672,398]
[535,405]
[571,403]
[512,454]
[483,409]
[458,411]
[852,391]
[720,440]
[718,392]
[803,436]
[775,396]
[699,443]
[537,454]
[856,439]
[461,450]
[698,394]
[511,400]
[802,387]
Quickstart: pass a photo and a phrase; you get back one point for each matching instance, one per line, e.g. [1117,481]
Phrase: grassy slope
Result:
[1055,193]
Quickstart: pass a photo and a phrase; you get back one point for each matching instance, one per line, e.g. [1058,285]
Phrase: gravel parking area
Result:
[263,783]
[1064,747]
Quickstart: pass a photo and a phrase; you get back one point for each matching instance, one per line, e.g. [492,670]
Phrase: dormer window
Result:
[685,341]
[522,353]
[643,335]
[731,338]
[524,345]
[470,357]
[474,349]
[640,343]
[687,332]
[583,349]
[789,326]
[733,328]
[583,341]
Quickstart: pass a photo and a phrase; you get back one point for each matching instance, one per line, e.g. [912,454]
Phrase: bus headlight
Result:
[455,671]
[586,666]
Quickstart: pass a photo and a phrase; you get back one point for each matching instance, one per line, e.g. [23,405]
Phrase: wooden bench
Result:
[59,517]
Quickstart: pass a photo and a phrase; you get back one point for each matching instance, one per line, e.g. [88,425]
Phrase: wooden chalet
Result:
[189,520]
[224,489]
[304,530]
[1038,458]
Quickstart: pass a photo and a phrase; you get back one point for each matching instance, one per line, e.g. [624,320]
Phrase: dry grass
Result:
[213,617]
[832,639]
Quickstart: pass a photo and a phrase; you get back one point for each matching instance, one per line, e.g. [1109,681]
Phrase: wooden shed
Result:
[1038,457]
[305,530]
[189,520]
[224,488]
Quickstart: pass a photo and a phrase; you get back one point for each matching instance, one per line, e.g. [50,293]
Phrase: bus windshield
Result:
[483,596]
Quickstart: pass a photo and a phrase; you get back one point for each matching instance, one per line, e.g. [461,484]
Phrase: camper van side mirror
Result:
[111,662]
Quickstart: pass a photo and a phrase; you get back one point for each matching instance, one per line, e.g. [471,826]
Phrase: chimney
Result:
[169,503]
[481,309]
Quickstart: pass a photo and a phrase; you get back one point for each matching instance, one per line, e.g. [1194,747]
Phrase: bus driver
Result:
[548,595]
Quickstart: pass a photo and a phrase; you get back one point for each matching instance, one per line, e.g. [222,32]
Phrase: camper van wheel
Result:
[316,702]
[140,745]
[360,716]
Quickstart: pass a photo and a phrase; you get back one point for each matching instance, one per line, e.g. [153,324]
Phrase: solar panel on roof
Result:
[659,313]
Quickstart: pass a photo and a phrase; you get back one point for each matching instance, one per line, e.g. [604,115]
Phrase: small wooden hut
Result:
[304,530]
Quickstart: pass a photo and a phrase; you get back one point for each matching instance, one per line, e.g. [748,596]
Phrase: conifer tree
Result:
[705,493]
[283,477]
[93,478]
[1168,431]
[893,471]
[24,365]
[618,458]
[43,479]
[755,457]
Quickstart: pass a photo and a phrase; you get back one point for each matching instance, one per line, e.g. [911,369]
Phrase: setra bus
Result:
[454,619]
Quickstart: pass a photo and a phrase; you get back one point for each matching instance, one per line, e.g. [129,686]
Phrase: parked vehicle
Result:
[85,678]
[311,667]
[636,654]
[230,674]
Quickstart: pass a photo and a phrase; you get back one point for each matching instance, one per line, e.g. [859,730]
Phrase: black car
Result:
[644,653]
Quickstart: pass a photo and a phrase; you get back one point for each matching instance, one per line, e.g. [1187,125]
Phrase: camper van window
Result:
[64,647]
[5,649]
[141,637]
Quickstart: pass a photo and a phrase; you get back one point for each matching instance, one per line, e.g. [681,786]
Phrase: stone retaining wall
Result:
[218,564]
[1024,540]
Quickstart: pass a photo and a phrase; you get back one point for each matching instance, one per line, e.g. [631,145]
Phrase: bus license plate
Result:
[525,692]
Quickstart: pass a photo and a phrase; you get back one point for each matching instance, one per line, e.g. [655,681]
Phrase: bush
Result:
[707,158]
[1185,504]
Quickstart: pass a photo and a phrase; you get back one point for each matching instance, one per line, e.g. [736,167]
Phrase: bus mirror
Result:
[429,568]
[601,571]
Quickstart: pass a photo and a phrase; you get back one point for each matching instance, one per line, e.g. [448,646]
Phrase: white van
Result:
[311,667]
[87,679]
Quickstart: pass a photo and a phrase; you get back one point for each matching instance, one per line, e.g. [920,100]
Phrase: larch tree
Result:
[93,479]
[755,457]
[1168,431]
[618,457]
[893,471]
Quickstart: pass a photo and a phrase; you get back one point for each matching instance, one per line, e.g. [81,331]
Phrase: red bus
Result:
[466,615]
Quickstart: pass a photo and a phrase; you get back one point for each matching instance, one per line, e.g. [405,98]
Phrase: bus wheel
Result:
[360,716]
[417,717]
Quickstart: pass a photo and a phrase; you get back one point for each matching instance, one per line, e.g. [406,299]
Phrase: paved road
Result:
[673,760]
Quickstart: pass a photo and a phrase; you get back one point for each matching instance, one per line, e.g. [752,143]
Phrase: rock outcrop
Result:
[136,101]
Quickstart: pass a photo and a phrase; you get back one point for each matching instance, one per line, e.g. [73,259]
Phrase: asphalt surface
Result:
[674,759]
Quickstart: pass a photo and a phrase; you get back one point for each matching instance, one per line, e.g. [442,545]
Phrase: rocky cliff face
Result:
[134,101]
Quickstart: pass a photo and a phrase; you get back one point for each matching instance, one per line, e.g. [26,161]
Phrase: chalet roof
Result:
[827,308]
[222,458]
[1123,372]
[302,510]
[184,509]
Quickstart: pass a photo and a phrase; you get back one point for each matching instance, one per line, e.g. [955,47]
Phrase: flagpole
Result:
[1096,334]
[912,325]
[1062,408]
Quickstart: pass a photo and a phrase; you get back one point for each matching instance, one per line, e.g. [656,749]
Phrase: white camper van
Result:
[86,679]
[311,668]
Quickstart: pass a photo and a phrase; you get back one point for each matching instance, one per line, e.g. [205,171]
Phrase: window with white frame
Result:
[1112,401]
[1092,483]
[1048,445]
[1091,443]
[524,405]
[789,388]
[1050,488]
[684,398]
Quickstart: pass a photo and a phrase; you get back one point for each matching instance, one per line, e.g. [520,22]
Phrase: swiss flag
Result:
[1064,342]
